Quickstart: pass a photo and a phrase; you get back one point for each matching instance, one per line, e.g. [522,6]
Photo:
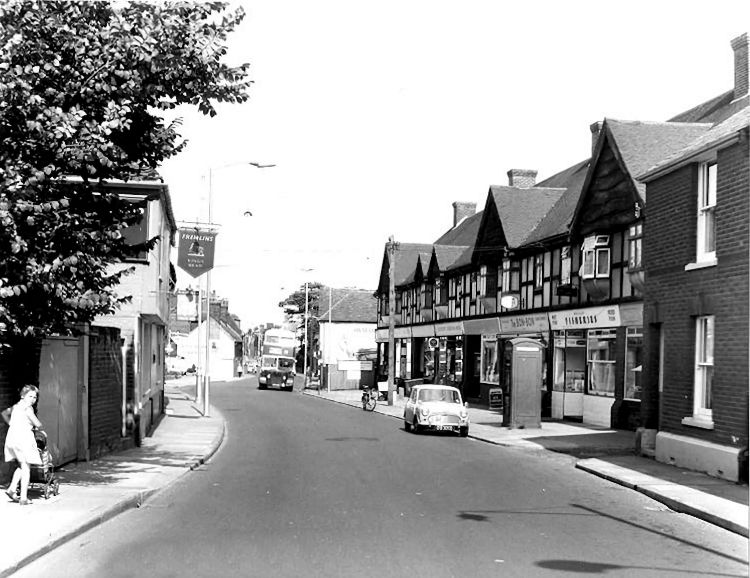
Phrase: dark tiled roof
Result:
[521,210]
[718,109]
[348,305]
[447,255]
[557,220]
[463,234]
[642,144]
[405,255]
[705,140]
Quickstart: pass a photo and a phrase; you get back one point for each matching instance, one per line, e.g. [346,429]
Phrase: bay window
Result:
[596,257]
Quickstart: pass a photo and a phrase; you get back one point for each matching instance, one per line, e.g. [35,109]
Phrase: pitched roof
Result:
[707,140]
[641,144]
[347,305]
[521,210]
[557,220]
[464,233]
[405,261]
[715,110]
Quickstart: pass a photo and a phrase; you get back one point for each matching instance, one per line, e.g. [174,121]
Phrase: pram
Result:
[43,476]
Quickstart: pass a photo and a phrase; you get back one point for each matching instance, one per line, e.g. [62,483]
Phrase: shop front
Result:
[596,364]
[450,353]
[493,344]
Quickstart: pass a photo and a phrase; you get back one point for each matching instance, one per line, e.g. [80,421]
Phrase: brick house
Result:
[696,304]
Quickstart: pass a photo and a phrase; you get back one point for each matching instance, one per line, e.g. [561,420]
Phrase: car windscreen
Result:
[447,395]
[268,361]
[286,363]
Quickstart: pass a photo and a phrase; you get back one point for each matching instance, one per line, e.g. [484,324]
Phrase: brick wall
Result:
[674,297]
[105,391]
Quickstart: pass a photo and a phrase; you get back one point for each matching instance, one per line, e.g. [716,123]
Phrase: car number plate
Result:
[443,427]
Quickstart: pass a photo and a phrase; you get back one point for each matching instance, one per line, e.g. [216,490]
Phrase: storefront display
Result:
[601,355]
[490,363]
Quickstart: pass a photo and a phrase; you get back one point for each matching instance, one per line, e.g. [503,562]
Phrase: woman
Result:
[20,444]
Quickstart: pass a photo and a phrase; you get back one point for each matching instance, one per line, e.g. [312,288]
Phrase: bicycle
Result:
[369,400]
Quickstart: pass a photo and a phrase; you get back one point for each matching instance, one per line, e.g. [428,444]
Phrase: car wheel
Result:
[463,431]
[407,426]
[416,427]
[261,386]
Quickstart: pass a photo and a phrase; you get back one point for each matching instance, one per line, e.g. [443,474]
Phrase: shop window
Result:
[596,257]
[600,355]
[706,213]
[704,367]
[569,361]
[635,247]
[490,363]
[633,363]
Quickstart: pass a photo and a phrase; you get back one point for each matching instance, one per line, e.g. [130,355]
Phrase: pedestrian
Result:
[20,444]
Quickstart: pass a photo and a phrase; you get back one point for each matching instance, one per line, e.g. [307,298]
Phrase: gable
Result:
[490,237]
[609,195]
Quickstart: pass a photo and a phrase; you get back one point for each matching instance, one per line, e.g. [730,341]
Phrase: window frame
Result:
[596,252]
[705,331]
[707,184]
[635,246]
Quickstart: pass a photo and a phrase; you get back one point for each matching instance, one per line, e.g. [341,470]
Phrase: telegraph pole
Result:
[392,245]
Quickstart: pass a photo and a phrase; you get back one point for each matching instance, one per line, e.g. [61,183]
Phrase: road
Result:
[306,487]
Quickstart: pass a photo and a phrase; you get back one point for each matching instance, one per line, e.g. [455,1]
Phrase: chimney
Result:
[596,129]
[739,45]
[462,210]
[521,178]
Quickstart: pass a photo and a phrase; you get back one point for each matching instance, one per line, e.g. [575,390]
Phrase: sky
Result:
[379,115]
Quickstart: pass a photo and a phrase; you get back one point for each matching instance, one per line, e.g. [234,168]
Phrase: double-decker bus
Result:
[277,359]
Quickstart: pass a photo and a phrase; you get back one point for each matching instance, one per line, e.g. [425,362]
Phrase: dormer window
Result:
[595,257]
[706,233]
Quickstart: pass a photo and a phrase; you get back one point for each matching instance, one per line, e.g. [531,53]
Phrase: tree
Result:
[84,90]
[294,310]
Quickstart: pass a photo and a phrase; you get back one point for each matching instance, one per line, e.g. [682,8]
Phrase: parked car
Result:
[437,408]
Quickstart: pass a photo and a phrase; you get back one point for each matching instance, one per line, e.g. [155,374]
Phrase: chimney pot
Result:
[740,46]
[521,178]
[462,210]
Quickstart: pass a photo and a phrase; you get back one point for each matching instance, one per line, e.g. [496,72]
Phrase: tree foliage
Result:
[84,90]
[294,310]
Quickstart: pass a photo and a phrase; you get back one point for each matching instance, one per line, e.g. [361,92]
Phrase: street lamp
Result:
[206,367]
[304,365]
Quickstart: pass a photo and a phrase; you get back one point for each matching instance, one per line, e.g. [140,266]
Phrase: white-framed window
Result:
[635,246]
[633,362]
[601,355]
[706,232]
[595,257]
[538,271]
[704,367]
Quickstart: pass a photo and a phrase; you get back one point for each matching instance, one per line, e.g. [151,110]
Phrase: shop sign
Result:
[423,331]
[532,323]
[481,326]
[354,365]
[402,332]
[449,329]
[587,318]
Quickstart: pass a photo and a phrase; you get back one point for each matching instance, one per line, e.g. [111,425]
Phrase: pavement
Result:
[95,491]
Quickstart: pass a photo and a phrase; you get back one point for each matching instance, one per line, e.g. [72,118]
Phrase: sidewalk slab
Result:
[93,492]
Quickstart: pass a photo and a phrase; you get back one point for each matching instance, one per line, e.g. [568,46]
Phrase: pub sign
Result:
[196,252]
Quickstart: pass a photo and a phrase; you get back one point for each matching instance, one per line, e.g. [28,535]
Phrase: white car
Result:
[438,408]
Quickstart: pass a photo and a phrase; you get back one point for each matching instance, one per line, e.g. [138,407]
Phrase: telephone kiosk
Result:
[522,383]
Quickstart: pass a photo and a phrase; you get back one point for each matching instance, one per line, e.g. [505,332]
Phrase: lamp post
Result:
[207,375]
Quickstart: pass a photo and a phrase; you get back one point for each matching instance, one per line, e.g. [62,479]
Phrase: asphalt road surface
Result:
[307,487]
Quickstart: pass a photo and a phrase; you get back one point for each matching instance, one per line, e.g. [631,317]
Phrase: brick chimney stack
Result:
[596,129]
[739,45]
[462,210]
[521,178]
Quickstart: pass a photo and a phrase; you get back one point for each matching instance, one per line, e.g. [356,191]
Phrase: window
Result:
[704,367]
[137,234]
[565,266]
[596,257]
[635,246]
[601,349]
[490,365]
[539,271]
[633,362]
[706,233]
